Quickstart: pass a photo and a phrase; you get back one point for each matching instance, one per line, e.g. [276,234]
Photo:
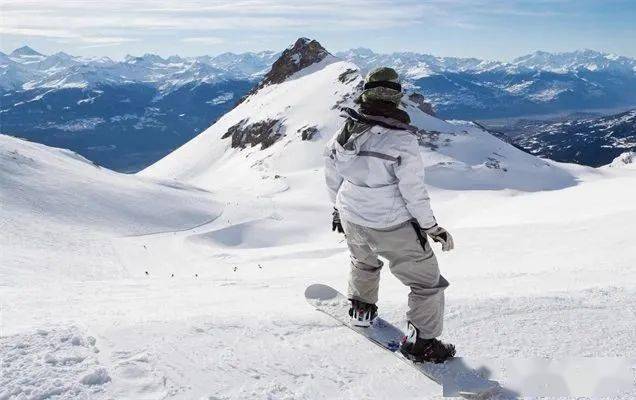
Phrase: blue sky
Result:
[490,29]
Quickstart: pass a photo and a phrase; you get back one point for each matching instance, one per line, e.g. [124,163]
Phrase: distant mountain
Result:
[417,65]
[539,83]
[62,70]
[591,141]
[127,114]
[26,51]
[575,61]
[121,114]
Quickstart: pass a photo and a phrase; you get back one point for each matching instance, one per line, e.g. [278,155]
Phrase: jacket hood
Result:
[352,136]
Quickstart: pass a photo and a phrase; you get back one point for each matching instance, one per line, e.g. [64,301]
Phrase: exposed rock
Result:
[265,133]
[307,133]
[349,75]
[302,54]
[422,104]
[493,163]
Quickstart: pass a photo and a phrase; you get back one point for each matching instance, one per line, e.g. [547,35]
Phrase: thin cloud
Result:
[106,39]
[200,15]
[52,33]
[204,40]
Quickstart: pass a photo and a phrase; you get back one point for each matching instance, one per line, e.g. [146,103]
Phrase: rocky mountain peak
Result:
[421,103]
[303,53]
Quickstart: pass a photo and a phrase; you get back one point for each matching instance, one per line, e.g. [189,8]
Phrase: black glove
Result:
[441,235]
[336,225]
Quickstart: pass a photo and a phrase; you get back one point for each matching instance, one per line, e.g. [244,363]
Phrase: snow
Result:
[519,87]
[187,280]
[625,160]
[76,125]
[57,361]
[222,98]
[548,94]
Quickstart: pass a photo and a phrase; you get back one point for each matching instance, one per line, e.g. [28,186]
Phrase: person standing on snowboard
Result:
[375,178]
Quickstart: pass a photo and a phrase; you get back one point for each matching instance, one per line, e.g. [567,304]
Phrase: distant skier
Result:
[375,177]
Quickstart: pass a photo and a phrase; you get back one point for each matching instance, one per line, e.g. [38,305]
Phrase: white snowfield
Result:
[186,281]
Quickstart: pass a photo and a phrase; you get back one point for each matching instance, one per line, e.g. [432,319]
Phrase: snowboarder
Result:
[374,174]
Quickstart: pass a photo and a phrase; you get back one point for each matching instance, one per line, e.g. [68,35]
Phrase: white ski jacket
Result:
[375,176]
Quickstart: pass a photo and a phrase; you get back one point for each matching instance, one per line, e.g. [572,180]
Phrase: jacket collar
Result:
[384,121]
[386,109]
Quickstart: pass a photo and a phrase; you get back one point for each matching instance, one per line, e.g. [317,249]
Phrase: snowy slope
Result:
[457,155]
[625,160]
[56,197]
[186,281]
[132,335]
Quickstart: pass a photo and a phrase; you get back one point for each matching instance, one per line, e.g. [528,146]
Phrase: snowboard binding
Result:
[417,349]
[362,314]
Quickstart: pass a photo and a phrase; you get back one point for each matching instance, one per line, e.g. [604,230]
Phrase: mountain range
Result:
[128,113]
[538,83]
[121,114]
[588,141]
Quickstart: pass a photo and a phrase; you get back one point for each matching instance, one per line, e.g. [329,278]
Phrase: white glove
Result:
[441,235]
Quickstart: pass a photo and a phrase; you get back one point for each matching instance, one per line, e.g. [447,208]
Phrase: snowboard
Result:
[454,376]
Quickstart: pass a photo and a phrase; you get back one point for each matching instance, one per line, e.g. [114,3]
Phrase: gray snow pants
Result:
[412,262]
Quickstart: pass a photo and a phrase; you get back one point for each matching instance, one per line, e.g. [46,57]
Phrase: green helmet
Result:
[382,84]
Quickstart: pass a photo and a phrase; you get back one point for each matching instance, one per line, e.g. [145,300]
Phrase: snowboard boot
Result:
[361,313]
[417,349]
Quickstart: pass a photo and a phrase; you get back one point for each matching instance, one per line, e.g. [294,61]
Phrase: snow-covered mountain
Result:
[127,114]
[295,113]
[122,114]
[417,65]
[539,83]
[412,65]
[588,141]
[576,61]
[164,73]
[172,282]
